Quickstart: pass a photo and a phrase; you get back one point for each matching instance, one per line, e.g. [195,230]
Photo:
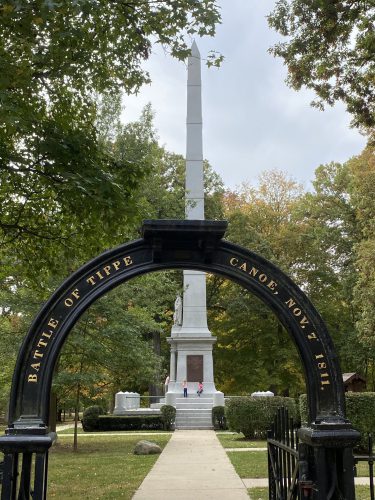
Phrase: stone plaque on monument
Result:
[194,368]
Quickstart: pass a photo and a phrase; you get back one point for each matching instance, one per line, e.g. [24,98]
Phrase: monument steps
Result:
[194,412]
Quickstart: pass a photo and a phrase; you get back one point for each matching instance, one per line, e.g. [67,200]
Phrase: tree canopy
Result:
[56,59]
[330,49]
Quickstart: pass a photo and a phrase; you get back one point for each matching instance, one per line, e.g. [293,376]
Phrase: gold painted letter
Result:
[128,261]
[53,323]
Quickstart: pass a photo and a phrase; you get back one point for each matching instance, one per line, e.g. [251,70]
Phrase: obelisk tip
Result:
[194,50]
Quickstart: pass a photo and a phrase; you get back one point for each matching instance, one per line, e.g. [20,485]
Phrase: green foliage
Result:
[125,423]
[90,417]
[107,350]
[254,416]
[218,418]
[330,49]
[168,415]
[360,411]
[64,189]
[248,331]
[56,56]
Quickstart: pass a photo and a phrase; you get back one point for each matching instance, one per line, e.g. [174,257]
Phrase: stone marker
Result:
[146,448]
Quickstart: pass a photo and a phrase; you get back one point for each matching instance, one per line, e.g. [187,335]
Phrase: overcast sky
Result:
[251,120]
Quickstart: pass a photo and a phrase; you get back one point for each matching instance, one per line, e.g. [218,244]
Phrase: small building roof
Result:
[348,377]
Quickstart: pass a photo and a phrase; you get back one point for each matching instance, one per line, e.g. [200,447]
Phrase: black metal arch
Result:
[196,245]
[167,245]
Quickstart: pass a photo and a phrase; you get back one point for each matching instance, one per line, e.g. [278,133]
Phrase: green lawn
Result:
[258,493]
[362,469]
[103,468]
[362,492]
[249,464]
[238,440]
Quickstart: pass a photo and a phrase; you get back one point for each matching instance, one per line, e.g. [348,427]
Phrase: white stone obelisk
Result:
[192,338]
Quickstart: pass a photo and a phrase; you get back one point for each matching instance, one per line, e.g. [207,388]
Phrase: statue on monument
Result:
[177,315]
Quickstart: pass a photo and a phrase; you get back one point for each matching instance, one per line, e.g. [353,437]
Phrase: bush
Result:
[90,417]
[168,415]
[126,423]
[254,416]
[218,418]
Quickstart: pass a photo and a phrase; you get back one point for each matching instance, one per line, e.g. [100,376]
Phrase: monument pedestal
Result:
[191,360]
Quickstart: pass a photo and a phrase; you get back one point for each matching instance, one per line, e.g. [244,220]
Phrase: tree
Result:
[325,263]
[55,59]
[330,49]
[254,351]
[362,169]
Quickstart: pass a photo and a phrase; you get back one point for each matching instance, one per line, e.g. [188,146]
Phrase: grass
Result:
[362,469]
[258,493]
[238,440]
[248,465]
[104,468]
[362,492]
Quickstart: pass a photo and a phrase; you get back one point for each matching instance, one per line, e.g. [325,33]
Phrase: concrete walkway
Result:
[193,466]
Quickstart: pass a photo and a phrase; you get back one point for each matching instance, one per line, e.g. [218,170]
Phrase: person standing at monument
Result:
[185,388]
[200,389]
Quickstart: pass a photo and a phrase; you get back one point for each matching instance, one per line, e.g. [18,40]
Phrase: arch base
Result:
[326,461]
[25,456]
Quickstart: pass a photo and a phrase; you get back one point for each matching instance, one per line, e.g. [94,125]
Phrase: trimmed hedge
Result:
[254,416]
[360,411]
[122,423]
[218,418]
[168,415]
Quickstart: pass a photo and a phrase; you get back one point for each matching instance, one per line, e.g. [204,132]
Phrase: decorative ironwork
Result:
[283,461]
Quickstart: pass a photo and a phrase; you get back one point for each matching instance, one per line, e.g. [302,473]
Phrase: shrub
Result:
[254,416]
[126,423]
[90,417]
[168,415]
[360,410]
[218,418]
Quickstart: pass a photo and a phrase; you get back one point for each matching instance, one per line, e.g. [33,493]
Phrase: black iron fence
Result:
[369,458]
[283,463]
